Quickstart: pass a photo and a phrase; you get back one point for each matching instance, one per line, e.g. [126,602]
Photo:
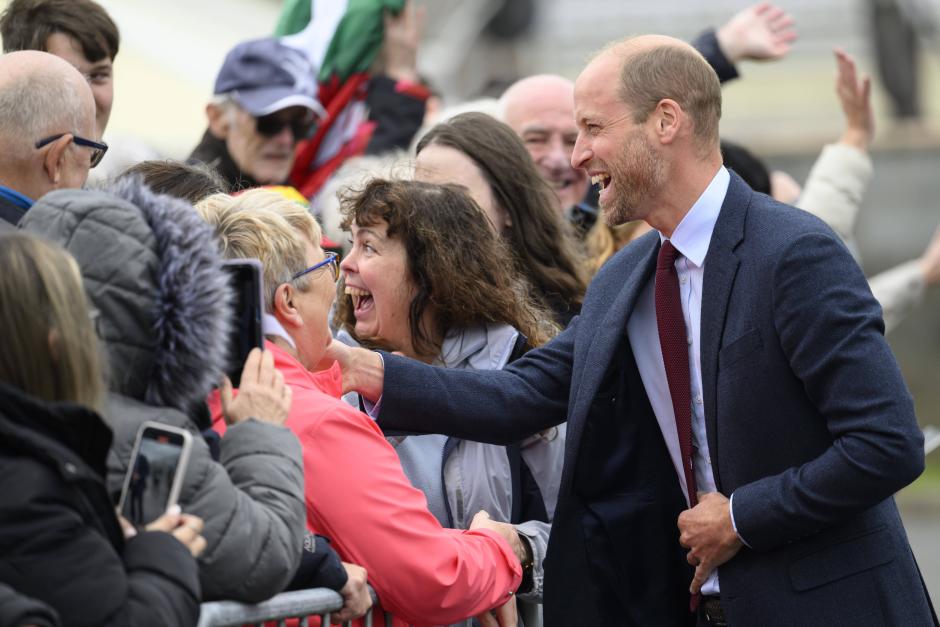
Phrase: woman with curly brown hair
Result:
[428,277]
[485,156]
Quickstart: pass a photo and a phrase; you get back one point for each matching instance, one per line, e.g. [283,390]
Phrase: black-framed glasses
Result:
[332,260]
[301,125]
[97,148]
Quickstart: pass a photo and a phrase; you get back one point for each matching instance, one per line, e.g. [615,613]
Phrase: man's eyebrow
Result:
[535,127]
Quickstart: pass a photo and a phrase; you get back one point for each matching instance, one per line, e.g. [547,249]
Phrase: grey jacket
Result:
[152,270]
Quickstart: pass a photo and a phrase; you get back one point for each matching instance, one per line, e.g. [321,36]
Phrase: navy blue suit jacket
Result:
[809,425]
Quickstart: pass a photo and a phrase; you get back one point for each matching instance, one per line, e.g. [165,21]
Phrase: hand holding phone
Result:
[155,472]
[263,395]
[184,527]
[246,280]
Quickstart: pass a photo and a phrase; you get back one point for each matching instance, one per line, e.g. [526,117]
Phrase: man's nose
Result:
[556,156]
[581,153]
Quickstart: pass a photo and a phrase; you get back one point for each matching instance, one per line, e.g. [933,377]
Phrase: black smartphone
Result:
[247,283]
[155,472]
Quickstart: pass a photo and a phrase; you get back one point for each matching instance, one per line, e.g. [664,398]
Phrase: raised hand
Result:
[761,32]
[402,38]
[855,97]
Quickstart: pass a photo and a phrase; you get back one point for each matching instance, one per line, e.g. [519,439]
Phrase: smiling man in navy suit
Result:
[737,424]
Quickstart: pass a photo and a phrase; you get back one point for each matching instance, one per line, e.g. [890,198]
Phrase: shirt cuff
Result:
[733,525]
[373,409]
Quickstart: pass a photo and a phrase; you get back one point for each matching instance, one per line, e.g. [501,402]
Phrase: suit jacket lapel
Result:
[721,266]
[590,366]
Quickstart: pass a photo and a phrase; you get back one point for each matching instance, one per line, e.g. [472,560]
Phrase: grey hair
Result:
[35,107]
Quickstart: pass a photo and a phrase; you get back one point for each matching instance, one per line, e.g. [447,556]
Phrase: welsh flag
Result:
[342,38]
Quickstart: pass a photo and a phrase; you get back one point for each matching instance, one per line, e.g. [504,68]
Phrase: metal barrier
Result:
[300,604]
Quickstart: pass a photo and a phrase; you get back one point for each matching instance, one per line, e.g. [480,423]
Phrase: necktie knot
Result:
[667,256]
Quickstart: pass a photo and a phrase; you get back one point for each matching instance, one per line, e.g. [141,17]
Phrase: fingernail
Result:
[174,510]
[130,533]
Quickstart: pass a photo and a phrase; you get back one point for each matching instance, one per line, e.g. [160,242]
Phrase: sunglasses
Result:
[332,260]
[273,123]
[97,148]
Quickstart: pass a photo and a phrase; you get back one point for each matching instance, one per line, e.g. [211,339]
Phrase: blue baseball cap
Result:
[265,76]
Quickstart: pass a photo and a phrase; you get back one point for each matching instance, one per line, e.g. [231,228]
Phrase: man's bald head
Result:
[540,109]
[41,95]
[656,67]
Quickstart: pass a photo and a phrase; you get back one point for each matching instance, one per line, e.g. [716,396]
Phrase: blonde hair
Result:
[603,241]
[50,349]
[263,225]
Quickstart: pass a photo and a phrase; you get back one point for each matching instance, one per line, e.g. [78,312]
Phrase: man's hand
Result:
[356,597]
[262,393]
[762,32]
[184,527]
[503,616]
[363,370]
[707,531]
[402,37]
[855,97]
[482,520]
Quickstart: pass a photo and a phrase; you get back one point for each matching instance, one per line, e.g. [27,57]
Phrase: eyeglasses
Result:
[332,260]
[97,148]
[273,123]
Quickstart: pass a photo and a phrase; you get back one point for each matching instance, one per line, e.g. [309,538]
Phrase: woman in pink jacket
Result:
[356,492]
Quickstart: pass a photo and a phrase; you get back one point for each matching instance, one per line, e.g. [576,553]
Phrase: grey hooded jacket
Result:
[151,268]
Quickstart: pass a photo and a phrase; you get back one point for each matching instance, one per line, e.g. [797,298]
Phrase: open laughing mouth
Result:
[602,180]
[361,300]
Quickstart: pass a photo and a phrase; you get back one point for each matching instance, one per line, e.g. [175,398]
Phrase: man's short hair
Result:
[28,24]
[679,73]
[264,225]
[35,107]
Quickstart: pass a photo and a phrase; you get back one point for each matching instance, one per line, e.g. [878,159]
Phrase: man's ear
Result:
[219,117]
[669,119]
[53,163]
[284,309]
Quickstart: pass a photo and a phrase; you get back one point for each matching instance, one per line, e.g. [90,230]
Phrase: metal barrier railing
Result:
[300,604]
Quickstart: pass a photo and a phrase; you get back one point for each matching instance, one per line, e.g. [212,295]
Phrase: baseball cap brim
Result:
[259,102]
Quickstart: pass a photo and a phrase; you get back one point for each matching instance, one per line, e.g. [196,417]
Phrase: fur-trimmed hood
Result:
[151,268]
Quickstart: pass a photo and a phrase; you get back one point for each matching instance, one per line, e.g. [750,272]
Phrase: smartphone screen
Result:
[246,280]
[154,475]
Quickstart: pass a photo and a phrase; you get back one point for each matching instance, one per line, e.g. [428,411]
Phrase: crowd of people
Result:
[563,358]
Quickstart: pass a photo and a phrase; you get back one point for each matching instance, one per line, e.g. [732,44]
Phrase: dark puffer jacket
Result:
[60,541]
[151,267]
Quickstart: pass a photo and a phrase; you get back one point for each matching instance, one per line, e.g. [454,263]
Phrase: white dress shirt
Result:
[691,238]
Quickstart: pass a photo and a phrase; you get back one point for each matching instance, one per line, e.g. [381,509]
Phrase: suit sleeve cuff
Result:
[372,409]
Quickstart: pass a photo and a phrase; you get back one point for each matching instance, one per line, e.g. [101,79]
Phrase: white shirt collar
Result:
[271,326]
[692,236]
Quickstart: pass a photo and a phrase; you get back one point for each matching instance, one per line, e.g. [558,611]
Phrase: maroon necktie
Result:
[675,345]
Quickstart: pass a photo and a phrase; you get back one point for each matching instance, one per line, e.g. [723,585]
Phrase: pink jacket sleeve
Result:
[359,497]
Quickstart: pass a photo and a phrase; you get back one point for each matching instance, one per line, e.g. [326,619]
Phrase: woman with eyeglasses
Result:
[60,539]
[357,494]
[428,277]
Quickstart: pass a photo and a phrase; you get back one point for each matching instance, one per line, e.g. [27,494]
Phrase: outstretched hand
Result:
[930,261]
[761,32]
[363,370]
[855,97]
